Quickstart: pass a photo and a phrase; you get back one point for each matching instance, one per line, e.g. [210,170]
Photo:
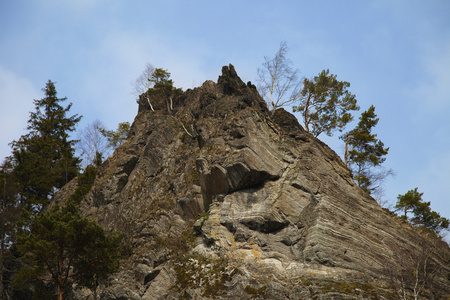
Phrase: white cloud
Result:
[16,101]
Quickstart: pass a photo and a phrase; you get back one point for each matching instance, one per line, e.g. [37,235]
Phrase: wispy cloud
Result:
[16,95]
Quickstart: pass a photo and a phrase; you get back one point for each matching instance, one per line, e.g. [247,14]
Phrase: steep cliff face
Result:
[220,198]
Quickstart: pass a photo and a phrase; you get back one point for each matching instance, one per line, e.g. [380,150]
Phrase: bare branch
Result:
[91,142]
[143,83]
[277,79]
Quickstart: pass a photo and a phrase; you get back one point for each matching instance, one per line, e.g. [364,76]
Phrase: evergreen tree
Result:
[325,104]
[9,210]
[60,246]
[44,159]
[9,215]
[115,138]
[85,181]
[422,215]
[364,152]
[162,86]
[408,202]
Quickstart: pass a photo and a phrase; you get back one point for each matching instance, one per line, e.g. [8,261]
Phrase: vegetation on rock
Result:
[116,137]
[325,104]
[422,215]
[364,152]
[84,184]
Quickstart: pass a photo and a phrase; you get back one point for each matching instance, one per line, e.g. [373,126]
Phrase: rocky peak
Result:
[220,198]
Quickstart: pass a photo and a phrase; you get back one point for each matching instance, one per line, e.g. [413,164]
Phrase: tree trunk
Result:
[149,103]
[95,287]
[306,113]
[60,292]
[346,150]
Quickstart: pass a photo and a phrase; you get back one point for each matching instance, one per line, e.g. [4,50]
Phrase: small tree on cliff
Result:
[278,82]
[325,104]
[60,246]
[156,82]
[163,87]
[117,137]
[422,215]
[364,152]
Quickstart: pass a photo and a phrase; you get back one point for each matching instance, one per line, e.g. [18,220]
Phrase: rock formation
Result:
[221,199]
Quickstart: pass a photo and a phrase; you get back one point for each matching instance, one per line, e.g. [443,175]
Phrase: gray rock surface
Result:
[222,199]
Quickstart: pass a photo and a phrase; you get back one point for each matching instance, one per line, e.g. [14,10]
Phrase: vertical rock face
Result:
[222,199]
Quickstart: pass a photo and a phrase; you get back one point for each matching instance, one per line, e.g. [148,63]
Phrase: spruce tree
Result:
[364,152]
[44,158]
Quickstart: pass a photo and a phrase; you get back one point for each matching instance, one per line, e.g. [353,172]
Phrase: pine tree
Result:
[116,138]
[44,159]
[364,152]
[422,215]
[162,86]
[408,202]
[325,104]
[60,246]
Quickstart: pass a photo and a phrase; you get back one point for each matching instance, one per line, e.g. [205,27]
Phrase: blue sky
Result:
[395,54]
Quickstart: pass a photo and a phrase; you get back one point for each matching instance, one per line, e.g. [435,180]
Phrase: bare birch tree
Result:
[417,272]
[143,83]
[92,144]
[278,82]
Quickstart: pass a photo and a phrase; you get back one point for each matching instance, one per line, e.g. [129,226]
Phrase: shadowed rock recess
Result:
[218,198]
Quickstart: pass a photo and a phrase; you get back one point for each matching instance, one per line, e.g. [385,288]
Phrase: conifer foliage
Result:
[117,137]
[420,211]
[364,151]
[163,87]
[325,104]
[44,158]
[61,246]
